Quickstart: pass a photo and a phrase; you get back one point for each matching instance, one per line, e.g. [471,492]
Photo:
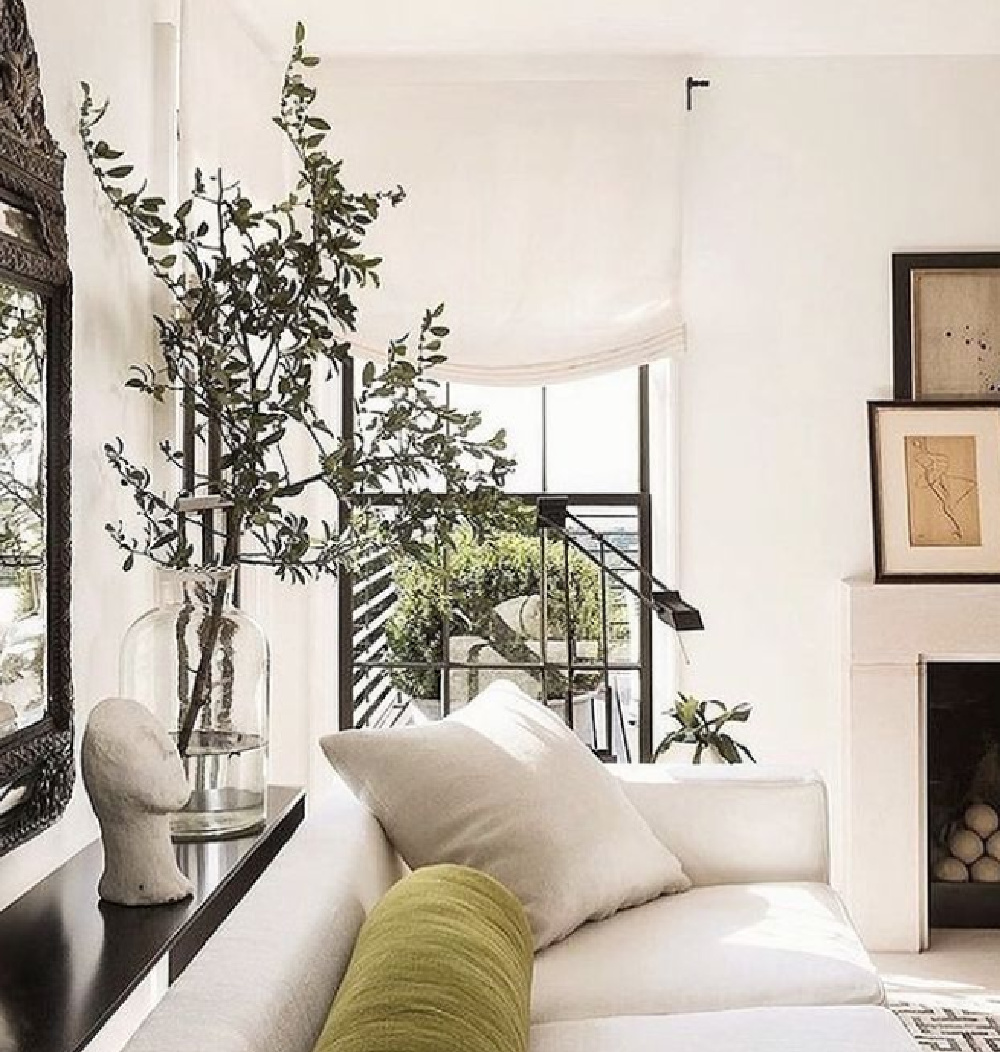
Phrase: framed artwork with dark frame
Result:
[946,325]
[935,472]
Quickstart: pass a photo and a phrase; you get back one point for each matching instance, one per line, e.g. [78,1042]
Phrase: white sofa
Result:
[759,956]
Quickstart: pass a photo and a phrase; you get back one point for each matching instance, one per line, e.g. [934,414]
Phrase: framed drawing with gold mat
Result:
[935,473]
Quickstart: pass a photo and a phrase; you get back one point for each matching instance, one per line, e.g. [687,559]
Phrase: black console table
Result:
[68,961]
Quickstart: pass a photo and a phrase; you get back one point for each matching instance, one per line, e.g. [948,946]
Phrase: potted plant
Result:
[699,736]
[261,316]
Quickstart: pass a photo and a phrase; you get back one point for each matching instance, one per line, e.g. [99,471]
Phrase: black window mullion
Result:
[445,687]
[606,657]
[568,614]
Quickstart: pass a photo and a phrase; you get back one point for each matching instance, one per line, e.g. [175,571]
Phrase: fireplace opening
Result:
[963,793]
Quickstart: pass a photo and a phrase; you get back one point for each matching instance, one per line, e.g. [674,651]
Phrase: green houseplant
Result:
[697,727]
[262,314]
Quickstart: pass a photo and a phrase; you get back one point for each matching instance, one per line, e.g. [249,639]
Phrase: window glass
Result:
[592,432]
[519,411]
[429,634]
[606,624]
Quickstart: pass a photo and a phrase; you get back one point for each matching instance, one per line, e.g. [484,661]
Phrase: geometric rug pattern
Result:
[949,1029]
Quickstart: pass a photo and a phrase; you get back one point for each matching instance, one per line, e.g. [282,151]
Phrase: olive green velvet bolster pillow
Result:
[442,964]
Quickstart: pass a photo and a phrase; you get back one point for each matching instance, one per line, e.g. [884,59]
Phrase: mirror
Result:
[36,707]
[22,508]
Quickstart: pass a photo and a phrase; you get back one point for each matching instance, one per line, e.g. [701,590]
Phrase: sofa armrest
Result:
[265,980]
[735,825]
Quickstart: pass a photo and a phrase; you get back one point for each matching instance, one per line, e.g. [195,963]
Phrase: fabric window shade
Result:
[543,210]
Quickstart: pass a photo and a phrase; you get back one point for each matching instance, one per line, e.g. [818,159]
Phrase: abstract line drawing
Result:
[942,491]
[955,330]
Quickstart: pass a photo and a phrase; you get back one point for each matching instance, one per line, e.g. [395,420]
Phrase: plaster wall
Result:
[110,44]
[803,176]
[230,89]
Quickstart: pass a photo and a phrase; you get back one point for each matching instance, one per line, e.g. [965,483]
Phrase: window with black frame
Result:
[421,638]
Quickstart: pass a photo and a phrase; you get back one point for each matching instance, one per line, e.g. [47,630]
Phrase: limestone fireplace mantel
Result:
[890,633]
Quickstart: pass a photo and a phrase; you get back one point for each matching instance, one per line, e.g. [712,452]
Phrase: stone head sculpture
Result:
[134,778]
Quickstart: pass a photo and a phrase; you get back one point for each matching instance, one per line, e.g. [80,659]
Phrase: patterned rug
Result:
[950,1029]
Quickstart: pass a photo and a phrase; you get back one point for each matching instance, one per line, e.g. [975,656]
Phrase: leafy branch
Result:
[262,316]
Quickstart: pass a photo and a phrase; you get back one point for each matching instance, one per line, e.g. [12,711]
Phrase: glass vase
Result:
[203,667]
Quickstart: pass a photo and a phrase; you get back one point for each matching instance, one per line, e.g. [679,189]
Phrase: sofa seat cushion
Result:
[857,1029]
[728,946]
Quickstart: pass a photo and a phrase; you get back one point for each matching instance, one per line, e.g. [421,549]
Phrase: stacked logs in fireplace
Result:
[971,848]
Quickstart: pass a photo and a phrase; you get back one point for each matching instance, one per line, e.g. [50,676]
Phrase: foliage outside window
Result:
[468,587]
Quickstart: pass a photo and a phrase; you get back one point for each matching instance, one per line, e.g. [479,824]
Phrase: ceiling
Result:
[690,27]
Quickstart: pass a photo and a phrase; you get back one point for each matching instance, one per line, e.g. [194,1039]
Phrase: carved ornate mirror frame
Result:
[36,762]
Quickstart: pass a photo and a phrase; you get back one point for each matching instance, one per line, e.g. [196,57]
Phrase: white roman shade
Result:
[543,209]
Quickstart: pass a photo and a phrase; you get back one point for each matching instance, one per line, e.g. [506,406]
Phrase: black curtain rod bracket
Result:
[691,85]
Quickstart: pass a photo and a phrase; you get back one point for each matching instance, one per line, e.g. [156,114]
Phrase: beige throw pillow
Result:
[504,786]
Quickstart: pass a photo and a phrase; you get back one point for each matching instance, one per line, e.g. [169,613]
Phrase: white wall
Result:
[228,96]
[109,43]
[803,177]
[230,89]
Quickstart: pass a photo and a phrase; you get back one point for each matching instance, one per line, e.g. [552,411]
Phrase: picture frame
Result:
[935,475]
[946,325]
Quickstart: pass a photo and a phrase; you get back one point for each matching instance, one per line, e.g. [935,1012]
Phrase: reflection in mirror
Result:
[22,508]
[19,223]
[10,797]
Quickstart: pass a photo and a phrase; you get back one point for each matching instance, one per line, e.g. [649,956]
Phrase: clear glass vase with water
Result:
[203,667]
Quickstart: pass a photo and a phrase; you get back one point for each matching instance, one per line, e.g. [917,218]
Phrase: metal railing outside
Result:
[601,685]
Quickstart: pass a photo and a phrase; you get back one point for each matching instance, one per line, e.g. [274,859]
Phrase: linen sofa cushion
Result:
[505,787]
[443,964]
[748,1030]
[713,948]
[265,980]
[747,823]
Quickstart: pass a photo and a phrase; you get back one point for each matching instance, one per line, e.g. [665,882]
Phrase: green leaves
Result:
[262,313]
[484,568]
[697,727]
[104,152]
